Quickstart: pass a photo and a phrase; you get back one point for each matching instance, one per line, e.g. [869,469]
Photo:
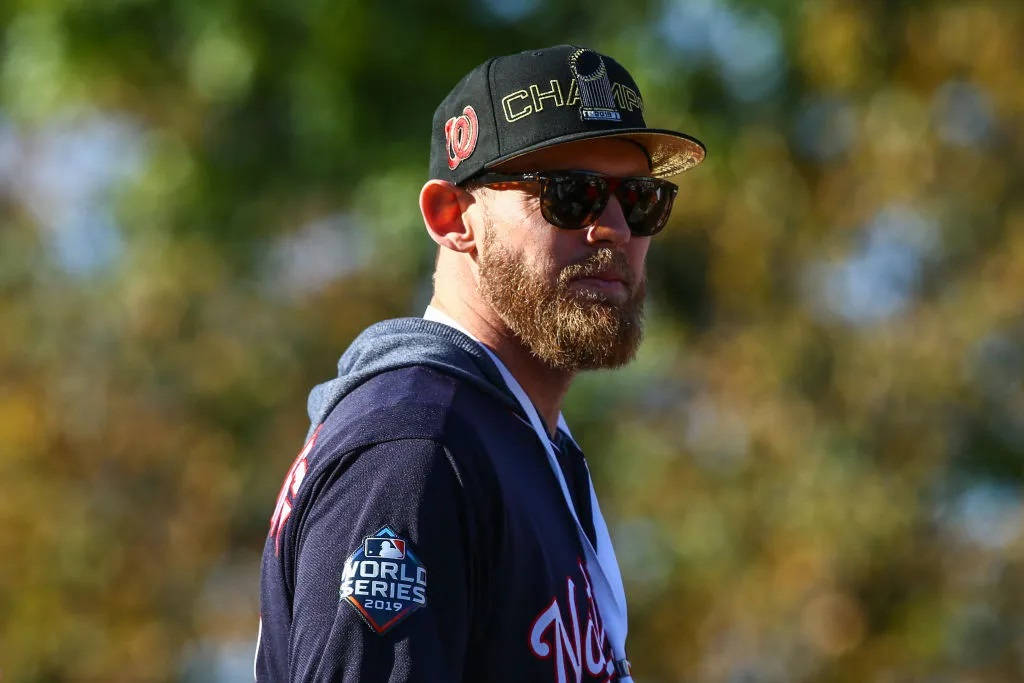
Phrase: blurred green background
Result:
[814,470]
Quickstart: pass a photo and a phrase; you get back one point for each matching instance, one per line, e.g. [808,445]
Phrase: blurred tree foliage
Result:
[814,470]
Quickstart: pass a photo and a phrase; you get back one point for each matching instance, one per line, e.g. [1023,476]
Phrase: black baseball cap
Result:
[510,106]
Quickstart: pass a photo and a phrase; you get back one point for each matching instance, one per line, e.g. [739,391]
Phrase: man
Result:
[440,523]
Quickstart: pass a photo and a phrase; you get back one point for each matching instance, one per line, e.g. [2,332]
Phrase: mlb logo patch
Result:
[382,546]
[384,581]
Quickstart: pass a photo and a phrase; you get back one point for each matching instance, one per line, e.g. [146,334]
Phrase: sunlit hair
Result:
[564,328]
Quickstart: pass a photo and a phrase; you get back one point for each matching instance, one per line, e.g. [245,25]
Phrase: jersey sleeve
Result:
[382,569]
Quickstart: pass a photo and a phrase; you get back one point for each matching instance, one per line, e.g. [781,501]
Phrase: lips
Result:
[605,276]
[605,269]
[609,284]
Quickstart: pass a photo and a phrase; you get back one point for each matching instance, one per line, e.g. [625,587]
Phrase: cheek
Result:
[637,254]
[534,240]
[516,216]
[531,225]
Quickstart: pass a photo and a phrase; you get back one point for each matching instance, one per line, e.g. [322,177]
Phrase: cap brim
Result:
[669,152]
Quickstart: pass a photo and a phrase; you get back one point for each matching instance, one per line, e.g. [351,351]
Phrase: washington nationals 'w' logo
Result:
[460,135]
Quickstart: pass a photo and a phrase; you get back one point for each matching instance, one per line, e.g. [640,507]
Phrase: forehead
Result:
[611,156]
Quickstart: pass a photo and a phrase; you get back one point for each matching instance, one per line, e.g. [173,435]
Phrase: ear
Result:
[443,205]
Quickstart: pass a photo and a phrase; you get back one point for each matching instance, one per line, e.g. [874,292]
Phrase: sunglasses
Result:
[576,199]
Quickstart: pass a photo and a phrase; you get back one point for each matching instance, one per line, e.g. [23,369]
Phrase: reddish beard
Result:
[565,328]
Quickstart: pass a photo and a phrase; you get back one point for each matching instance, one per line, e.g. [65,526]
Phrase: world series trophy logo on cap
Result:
[596,100]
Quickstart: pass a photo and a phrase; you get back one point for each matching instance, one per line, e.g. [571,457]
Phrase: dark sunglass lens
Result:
[573,201]
[646,205]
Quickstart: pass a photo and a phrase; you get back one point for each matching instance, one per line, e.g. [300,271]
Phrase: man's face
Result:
[573,297]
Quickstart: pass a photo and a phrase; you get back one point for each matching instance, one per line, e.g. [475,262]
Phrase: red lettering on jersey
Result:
[290,489]
[573,651]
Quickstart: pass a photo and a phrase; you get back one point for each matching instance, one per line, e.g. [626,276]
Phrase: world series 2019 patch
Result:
[384,581]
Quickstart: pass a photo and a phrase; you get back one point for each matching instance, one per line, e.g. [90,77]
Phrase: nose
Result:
[610,227]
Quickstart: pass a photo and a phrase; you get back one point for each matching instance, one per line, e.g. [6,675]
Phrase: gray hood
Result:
[401,343]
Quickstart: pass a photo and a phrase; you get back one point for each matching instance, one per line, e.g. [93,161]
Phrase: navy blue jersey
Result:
[420,535]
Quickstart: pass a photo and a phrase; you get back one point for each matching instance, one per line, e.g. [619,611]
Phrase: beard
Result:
[566,329]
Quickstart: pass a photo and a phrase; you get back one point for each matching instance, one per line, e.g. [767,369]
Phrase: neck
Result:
[545,387]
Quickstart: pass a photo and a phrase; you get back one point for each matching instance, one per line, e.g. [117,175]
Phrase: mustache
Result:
[603,262]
